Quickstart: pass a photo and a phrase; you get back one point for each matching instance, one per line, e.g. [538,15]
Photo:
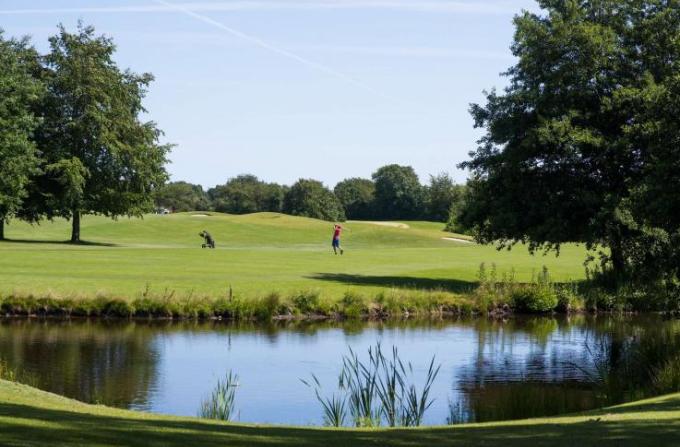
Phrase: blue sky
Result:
[284,89]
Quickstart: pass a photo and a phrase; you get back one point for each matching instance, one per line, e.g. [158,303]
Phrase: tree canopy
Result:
[310,198]
[357,196]
[577,146]
[398,193]
[182,196]
[19,91]
[246,194]
[441,196]
[99,156]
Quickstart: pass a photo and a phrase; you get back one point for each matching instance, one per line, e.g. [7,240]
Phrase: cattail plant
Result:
[220,404]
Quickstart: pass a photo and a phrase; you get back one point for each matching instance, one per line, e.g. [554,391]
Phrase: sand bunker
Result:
[456,239]
[389,224]
[200,215]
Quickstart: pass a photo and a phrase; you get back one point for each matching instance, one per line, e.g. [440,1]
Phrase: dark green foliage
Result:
[117,308]
[353,304]
[247,194]
[357,196]
[628,368]
[398,193]
[15,305]
[99,156]
[310,198]
[443,198]
[182,196]
[455,222]
[306,301]
[534,299]
[19,91]
[583,144]
[269,307]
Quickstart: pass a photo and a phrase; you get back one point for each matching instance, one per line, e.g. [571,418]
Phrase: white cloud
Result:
[507,7]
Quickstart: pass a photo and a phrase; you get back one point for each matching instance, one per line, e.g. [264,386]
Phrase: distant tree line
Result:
[71,138]
[393,192]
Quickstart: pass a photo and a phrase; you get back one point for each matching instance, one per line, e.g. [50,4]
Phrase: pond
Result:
[490,370]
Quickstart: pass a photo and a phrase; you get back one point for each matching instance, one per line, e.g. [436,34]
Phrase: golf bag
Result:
[208,241]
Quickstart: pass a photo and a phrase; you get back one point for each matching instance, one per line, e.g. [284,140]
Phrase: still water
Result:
[490,370]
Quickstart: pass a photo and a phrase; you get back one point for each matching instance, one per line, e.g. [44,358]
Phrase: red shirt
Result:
[336,233]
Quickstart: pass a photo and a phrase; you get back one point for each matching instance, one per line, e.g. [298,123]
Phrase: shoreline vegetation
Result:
[490,298]
[28,416]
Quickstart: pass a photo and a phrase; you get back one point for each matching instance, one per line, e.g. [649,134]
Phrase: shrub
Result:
[200,308]
[16,305]
[534,299]
[81,307]
[268,307]
[117,308]
[353,304]
[149,307]
[306,302]
[568,299]
[47,306]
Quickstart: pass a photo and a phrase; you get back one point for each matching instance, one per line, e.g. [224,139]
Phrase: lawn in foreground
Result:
[256,254]
[29,417]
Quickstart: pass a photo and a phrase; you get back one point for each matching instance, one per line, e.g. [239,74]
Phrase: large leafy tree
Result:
[182,196]
[585,132]
[442,194]
[19,91]
[357,196]
[246,194]
[310,198]
[101,158]
[398,193]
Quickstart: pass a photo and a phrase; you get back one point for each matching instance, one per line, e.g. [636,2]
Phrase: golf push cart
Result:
[208,241]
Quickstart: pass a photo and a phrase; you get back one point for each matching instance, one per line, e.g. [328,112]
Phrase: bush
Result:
[79,307]
[353,304]
[15,305]
[306,302]
[117,308]
[198,308]
[150,307]
[268,307]
[568,299]
[534,299]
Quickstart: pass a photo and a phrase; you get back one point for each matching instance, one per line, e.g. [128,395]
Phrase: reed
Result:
[380,390]
[220,404]
[334,407]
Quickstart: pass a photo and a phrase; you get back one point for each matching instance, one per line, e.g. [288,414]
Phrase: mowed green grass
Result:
[256,254]
[29,417]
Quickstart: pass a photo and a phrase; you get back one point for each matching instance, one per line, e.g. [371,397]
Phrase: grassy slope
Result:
[256,254]
[29,417]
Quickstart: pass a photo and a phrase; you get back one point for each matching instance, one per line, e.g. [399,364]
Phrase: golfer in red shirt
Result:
[337,229]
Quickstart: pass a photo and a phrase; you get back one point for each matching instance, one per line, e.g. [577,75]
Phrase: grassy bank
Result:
[264,263]
[29,417]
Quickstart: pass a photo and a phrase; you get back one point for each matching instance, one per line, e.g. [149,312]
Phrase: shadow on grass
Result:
[75,244]
[403,282]
[26,425]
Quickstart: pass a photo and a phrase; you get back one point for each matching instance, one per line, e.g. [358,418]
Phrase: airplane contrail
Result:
[268,46]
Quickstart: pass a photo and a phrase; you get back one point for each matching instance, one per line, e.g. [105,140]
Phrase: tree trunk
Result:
[618,260]
[75,228]
[2,229]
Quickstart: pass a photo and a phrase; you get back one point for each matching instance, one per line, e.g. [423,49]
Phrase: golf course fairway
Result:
[256,254]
